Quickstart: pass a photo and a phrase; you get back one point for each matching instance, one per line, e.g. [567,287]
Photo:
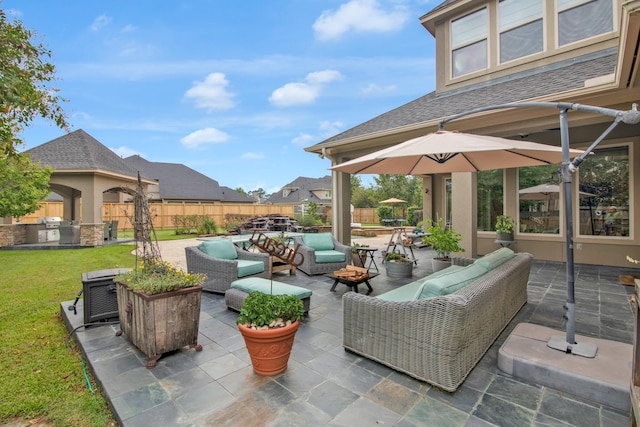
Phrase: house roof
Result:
[231,195]
[543,81]
[177,181]
[302,188]
[79,151]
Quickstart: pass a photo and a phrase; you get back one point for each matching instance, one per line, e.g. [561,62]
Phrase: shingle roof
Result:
[177,181]
[79,151]
[302,188]
[548,80]
[231,195]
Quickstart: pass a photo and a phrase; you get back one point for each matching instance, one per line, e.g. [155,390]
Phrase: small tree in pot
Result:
[504,228]
[268,324]
[444,241]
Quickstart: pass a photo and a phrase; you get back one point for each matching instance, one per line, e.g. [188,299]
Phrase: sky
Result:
[232,89]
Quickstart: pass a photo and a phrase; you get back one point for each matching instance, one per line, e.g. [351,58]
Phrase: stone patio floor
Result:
[327,386]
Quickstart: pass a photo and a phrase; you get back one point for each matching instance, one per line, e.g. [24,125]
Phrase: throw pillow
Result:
[219,248]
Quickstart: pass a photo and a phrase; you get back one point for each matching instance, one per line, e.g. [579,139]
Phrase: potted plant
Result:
[356,258]
[159,307]
[504,228]
[398,265]
[444,241]
[268,324]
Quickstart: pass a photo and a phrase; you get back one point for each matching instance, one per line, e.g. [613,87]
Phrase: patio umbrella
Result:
[393,202]
[446,152]
[546,192]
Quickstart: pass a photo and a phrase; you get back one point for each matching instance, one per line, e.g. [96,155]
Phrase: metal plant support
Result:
[143,231]
[568,344]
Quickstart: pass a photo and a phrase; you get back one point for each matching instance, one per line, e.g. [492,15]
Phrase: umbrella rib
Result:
[529,157]
[470,162]
[366,167]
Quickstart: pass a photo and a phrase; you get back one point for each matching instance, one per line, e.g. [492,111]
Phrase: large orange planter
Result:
[269,349]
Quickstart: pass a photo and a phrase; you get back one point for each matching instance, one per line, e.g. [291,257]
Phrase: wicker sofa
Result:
[222,271]
[322,253]
[438,339]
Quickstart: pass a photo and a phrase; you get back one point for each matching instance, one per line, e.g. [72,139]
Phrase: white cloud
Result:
[303,93]
[252,156]
[303,140]
[330,128]
[203,137]
[360,16]
[126,152]
[129,28]
[212,93]
[100,22]
[326,129]
[374,89]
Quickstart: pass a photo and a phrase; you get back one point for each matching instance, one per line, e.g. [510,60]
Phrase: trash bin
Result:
[100,299]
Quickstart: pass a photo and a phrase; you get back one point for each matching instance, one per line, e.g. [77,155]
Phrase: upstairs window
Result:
[469,43]
[579,19]
[521,31]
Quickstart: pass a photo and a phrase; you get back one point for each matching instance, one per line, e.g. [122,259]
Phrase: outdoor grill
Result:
[51,231]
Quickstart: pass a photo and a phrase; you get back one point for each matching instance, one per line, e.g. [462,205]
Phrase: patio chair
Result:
[223,263]
[322,253]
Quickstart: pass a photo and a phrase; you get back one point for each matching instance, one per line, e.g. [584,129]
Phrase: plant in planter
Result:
[268,324]
[357,260]
[504,228]
[159,307]
[398,265]
[443,241]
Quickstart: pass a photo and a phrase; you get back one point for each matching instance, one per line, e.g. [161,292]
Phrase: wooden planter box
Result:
[160,323]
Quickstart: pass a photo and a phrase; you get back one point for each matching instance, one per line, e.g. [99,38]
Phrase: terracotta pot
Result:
[269,349]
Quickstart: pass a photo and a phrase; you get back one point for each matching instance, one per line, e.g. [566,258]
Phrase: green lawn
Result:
[40,376]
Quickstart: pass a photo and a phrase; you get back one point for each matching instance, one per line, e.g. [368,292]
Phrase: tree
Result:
[241,191]
[22,185]
[25,94]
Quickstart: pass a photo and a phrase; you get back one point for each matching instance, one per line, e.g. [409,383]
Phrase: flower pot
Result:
[357,260]
[505,237]
[440,264]
[160,323]
[269,349]
[399,269]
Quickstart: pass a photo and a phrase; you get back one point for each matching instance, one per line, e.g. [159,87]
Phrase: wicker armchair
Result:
[221,272]
[440,339]
[310,266]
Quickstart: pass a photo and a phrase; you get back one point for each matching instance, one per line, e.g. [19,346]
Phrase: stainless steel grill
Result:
[51,231]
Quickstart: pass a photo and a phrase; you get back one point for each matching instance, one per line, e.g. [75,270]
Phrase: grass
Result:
[163,234]
[41,377]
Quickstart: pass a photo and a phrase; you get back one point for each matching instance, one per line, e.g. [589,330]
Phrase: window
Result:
[573,14]
[490,198]
[539,206]
[469,43]
[521,31]
[604,193]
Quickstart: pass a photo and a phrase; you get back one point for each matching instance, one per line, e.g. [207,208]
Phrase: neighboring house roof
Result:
[231,195]
[79,151]
[300,189]
[543,81]
[177,181]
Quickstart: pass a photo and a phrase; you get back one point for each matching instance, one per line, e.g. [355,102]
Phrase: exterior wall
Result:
[12,234]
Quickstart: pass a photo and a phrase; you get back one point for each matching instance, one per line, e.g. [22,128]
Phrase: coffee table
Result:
[352,283]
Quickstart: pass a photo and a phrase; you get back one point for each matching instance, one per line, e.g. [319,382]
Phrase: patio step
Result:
[604,379]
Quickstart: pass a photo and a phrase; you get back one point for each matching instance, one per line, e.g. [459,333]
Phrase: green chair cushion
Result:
[411,291]
[449,283]
[330,256]
[219,248]
[269,286]
[495,258]
[318,241]
[247,267]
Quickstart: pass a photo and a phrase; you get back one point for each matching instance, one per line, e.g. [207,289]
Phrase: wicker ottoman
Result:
[234,297]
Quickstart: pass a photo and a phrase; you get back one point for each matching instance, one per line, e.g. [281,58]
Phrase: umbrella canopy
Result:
[545,191]
[393,200]
[445,152]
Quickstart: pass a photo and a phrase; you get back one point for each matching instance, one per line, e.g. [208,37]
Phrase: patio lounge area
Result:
[325,385]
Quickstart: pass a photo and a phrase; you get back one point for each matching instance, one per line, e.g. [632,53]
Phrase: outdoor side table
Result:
[369,253]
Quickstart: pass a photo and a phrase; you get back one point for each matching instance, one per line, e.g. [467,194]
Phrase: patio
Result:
[324,385]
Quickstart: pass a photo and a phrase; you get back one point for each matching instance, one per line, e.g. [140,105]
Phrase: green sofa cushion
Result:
[266,286]
[219,248]
[330,256]
[247,267]
[411,291]
[495,258]
[318,241]
[449,283]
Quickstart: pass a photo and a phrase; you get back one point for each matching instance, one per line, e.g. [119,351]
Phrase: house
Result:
[491,52]
[302,191]
[177,183]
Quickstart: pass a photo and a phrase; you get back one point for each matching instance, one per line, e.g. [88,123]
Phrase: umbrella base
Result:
[584,349]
